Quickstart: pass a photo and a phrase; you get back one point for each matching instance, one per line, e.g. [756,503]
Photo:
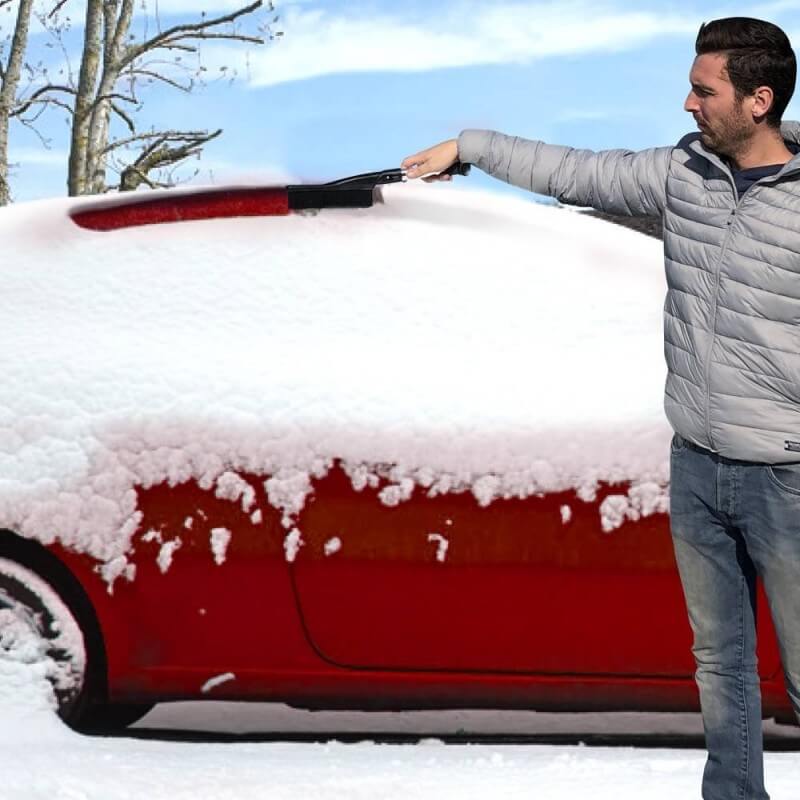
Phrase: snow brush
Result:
[357,191]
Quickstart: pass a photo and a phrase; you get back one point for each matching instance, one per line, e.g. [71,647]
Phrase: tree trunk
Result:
[97,98]
[77,182]
[8,89]
[116,25]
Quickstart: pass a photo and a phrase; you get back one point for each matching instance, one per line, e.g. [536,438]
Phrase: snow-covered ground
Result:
[40,759]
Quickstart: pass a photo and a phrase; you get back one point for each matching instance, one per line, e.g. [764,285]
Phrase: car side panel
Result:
[196,619]
[518,588]
[159,645]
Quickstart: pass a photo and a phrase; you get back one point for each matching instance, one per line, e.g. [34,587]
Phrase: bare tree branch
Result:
[34,98]
[239,37]
[138,137]
[56,34]
[115,96]
[177,32]
[54,101]
[134,173]
[41,107]
[163,135]
[126,118]
[186,47]
[158,155]
[58,6]
[121,30]
[157,76]
[45,142]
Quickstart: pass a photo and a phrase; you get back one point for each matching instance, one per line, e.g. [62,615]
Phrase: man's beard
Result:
[730,135]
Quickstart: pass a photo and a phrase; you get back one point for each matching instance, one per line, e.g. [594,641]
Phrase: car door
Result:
[522,585]
[211,592]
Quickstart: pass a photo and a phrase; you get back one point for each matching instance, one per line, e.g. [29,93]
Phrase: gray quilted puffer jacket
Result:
[732,311]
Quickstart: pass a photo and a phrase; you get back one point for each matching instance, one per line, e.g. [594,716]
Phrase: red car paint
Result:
[522,613]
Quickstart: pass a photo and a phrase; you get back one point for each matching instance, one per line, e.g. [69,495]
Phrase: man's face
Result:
[725,124]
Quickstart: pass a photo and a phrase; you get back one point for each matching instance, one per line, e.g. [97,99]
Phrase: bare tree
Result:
[10,74]
[165,150]
[113,64]
[25,87]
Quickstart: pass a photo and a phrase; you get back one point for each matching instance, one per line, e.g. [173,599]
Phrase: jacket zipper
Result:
[713,329]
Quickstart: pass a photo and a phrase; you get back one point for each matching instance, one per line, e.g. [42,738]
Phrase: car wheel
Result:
[37,625]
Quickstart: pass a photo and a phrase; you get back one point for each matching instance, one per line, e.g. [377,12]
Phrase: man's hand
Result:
[435,159]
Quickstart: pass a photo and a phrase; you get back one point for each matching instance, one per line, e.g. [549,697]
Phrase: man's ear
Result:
[762,102]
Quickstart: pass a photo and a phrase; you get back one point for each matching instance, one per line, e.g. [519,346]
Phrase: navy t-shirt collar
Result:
[745,178]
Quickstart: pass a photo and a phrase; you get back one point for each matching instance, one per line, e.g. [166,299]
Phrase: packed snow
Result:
[333,545]
[220,538]
[37,652]
[446,339]
[292,543]
[441,545]
[41,759]
[217,680]
[231,487]
[167,552]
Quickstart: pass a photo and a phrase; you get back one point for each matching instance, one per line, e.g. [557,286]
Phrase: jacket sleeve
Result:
[615,181]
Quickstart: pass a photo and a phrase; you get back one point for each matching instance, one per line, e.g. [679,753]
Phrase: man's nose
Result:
[691,105]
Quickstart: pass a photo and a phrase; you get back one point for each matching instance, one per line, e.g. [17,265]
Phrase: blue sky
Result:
[358,85]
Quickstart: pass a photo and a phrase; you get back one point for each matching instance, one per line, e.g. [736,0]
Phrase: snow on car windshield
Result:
[447,338]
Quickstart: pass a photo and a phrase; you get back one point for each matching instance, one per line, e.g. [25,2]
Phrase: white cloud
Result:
[38,155]
[193,7]
[770,10]
[232,172]
[590,114]
[319,42]
[579,115]
[160,13]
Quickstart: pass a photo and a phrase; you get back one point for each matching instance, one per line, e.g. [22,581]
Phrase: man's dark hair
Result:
[758,54]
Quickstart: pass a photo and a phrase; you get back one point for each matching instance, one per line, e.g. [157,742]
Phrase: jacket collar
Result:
[790,131]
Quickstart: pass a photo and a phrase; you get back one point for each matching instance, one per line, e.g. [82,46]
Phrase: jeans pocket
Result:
[785,477]
[678,444]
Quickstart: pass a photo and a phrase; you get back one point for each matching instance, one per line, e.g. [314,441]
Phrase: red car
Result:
[373,590]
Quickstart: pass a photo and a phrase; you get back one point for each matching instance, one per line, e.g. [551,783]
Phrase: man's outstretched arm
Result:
[616,181]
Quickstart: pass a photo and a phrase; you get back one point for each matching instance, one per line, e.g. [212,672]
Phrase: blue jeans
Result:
[732,521]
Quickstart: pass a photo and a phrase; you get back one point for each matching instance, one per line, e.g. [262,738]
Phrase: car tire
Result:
[38,627]
[44,609]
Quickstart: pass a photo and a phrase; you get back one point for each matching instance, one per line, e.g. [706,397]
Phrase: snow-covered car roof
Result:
[453,338]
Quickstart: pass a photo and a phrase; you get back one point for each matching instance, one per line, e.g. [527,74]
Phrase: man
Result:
[730,200]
